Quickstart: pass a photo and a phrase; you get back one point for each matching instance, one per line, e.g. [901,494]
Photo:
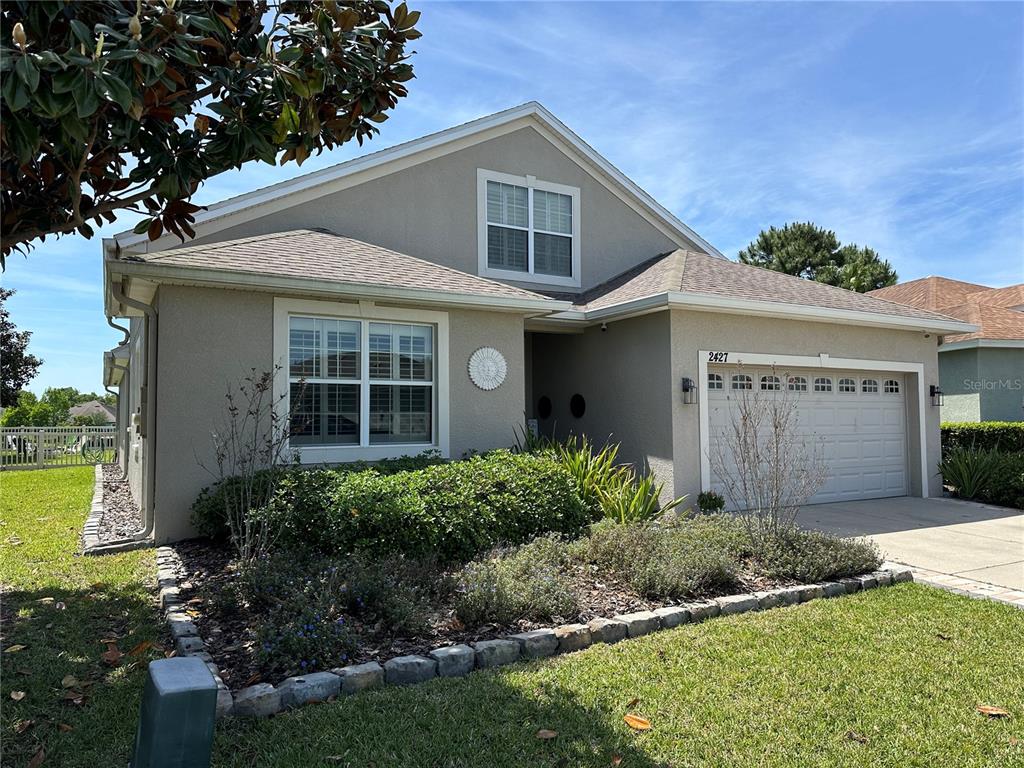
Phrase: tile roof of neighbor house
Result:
[929,292]
[327,256]
[691,272]
[992,309]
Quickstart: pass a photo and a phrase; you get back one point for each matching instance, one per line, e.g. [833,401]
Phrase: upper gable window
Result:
[529,229]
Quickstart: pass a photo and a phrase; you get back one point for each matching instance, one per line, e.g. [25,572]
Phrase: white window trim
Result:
[808,361]
[531,183]
[363,310]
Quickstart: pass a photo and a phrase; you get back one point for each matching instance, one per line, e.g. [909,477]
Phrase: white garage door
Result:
[855,419]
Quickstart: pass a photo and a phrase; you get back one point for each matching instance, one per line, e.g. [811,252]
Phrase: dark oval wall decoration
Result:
[577,406]
[544,407]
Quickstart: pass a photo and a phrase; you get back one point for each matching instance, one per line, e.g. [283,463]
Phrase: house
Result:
[981,373]
[434,294]
[95,411]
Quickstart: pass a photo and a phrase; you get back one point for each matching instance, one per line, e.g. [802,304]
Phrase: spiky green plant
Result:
[595,473]
[968,470]
[636,500]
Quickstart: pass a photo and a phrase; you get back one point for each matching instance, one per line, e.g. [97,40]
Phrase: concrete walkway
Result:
[954,541]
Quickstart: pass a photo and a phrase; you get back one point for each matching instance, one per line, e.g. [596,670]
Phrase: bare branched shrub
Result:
[251,455]
[766,466]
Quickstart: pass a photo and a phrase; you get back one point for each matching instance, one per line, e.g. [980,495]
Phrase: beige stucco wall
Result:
[624,375]
[694,331]
[983,384]
[430,210]
[210,339]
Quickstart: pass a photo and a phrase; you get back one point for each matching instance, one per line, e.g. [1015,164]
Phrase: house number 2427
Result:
[718,357]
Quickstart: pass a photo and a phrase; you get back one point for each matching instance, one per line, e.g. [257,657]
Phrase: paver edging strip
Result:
[263,699]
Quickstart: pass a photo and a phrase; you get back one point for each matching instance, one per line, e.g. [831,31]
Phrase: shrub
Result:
[968,470]
[806,556]
[298,623]
[596,474]
[452,510]
[710,503]
[671,561]
[209,517]
[395,592]
[512,585]
[1005,486]
[635,500]
[1007,436]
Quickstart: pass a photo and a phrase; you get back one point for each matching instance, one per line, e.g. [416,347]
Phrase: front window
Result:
[529,229]
[357,382]
[714,381]
[771,383]
[797,384]
[823,384]
[847,385]
[891,387]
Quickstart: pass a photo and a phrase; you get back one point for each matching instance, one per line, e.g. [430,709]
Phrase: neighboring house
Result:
[96,411]
[435,294]
[981,373]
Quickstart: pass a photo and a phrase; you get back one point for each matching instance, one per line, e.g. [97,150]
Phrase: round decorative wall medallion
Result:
[487,368]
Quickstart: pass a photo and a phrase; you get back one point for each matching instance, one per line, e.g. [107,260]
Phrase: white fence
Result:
[51,447]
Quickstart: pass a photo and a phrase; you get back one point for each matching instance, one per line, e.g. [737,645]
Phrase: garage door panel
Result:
[860,434]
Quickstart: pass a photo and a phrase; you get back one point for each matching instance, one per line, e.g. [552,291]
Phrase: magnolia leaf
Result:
[15,648]
[637,723]
[37,758]
[69,681]
[545,735]
[990,711]
[17,695]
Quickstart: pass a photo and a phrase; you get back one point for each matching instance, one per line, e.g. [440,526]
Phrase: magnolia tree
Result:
[767,465]
[114,105]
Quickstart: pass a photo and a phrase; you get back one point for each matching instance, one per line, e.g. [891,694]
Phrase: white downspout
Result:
[149,406]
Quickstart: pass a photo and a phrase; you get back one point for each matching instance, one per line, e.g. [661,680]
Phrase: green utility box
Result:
[176,718]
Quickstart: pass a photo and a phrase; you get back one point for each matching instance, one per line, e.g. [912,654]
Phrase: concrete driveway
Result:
[961,538]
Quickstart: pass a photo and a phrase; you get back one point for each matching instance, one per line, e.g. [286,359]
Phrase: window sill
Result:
[529,277]
[339,454]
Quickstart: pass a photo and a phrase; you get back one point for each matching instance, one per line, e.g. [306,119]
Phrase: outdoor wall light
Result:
[689,391]
[936,393]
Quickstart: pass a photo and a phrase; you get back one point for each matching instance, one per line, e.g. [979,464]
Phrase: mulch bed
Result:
[121,516]
[208,570]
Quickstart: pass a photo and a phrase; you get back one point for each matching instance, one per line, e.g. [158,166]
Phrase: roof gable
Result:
[314,185]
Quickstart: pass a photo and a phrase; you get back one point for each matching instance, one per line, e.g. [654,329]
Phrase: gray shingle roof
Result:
[691,272]
[324,255]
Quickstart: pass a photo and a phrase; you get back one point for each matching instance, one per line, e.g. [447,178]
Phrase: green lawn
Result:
[60,605]
[885,678]
[781,688]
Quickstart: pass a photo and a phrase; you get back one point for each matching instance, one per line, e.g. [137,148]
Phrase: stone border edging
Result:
[264,699]
[91,529]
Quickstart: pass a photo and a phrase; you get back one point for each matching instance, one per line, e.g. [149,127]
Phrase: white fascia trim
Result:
[704,357]
[363,310]
[252,281]
[386,161]
[710,303]
[976,343]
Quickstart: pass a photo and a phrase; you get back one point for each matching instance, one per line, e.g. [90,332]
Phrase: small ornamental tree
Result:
[114,105]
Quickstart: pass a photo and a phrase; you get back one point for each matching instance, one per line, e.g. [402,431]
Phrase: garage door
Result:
[855,419]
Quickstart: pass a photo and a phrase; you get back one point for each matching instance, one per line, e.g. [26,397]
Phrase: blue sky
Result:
[900,126]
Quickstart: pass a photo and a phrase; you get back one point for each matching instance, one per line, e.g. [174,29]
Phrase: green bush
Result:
[208,511]
[968,470]
[1006,436]
[807,556]
[1005,486]
[392,592]
[452,511]
[710,503]
[672,561]
[526,583]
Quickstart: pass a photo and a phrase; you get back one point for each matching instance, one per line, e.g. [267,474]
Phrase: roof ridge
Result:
[677,269]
